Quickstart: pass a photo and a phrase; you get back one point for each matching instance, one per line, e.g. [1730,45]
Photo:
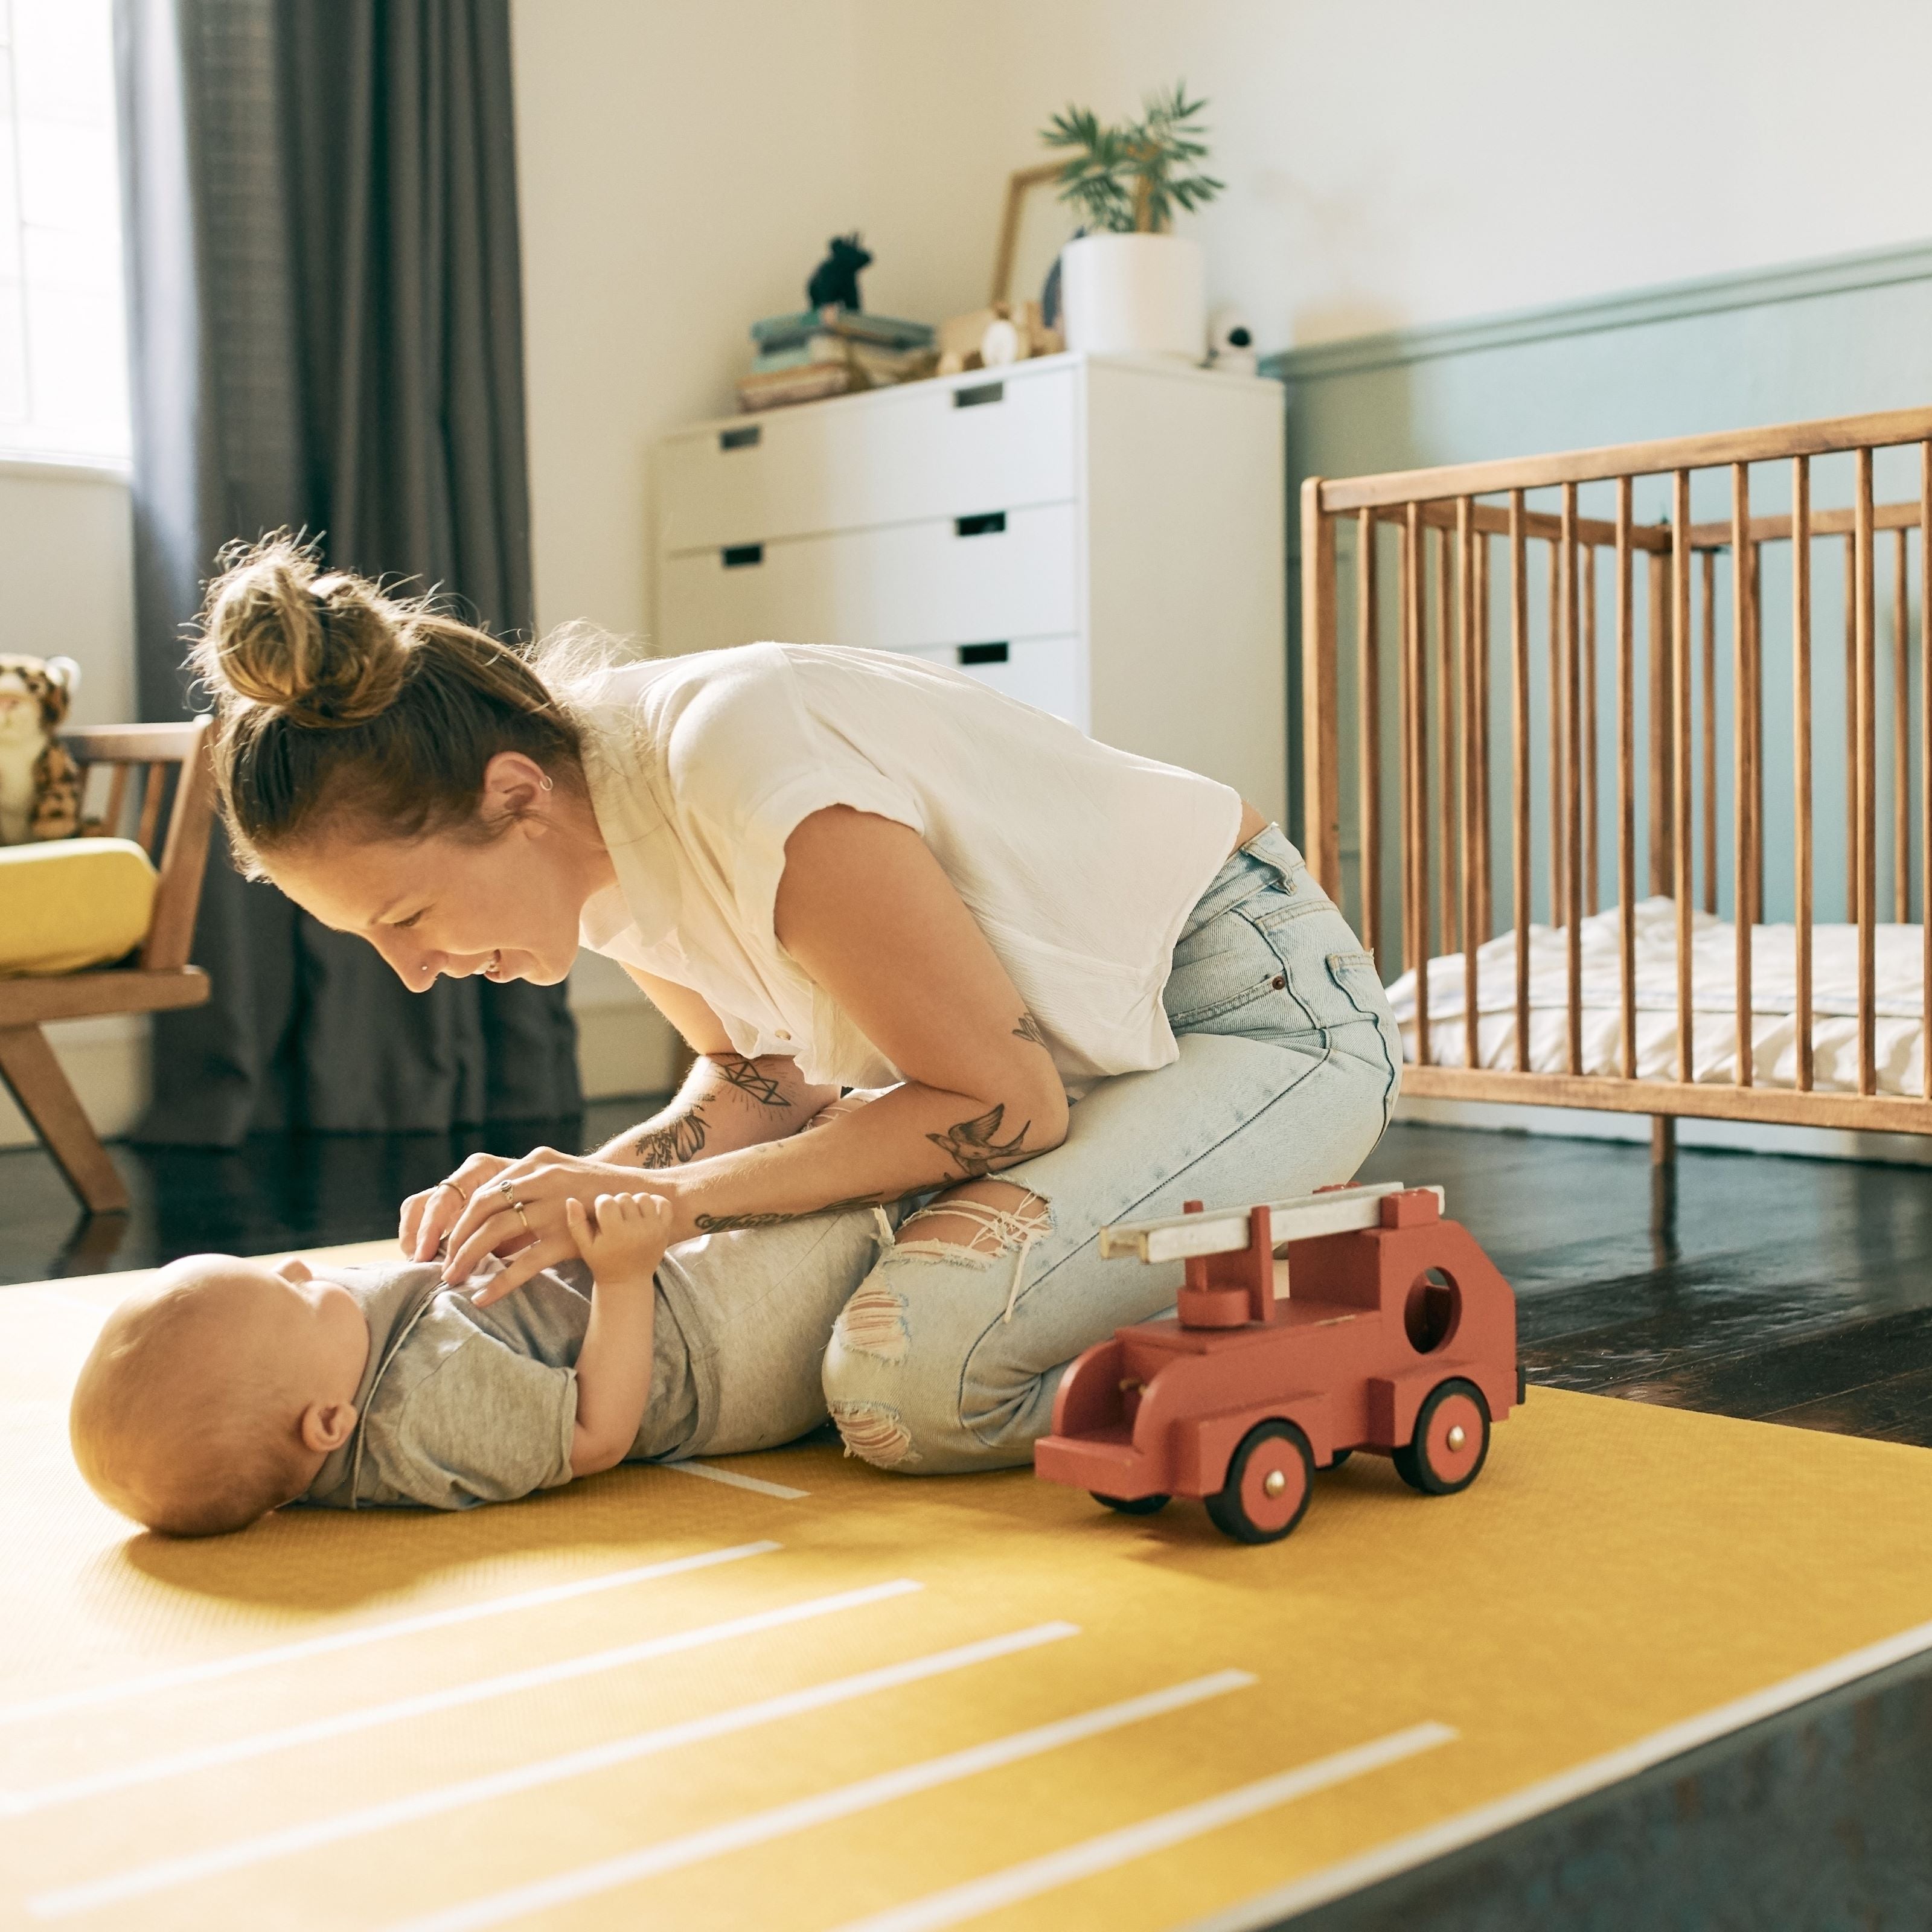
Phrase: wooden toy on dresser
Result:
[1355,1318]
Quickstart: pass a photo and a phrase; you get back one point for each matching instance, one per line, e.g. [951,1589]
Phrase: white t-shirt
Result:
[1080,862]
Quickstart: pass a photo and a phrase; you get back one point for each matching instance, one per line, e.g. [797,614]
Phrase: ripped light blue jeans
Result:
[947,1356]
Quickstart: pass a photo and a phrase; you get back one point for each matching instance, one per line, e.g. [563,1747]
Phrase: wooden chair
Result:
[161,977]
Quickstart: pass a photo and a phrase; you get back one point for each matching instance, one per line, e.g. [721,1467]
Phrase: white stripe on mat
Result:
[803,1813]
[1404,1854]
[756,1484]
[238,1751]
[1054,1869]
[166,1873]
[89,1695]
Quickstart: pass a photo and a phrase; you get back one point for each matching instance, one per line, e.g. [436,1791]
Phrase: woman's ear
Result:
[327,1425]
[514,786]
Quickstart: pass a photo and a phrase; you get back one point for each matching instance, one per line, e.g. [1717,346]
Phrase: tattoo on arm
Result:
[677,1141]
[1028,1030]
[746,1075]
[725,1224]
[975,1146]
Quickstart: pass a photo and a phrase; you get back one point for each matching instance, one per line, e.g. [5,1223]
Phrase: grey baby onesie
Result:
[460,1405]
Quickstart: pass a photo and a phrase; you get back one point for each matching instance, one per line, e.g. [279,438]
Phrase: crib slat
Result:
[1420,894]
[1559,845]
[1851,727]
[1867,748]
[1405,778]
[1709,560]
[1754,637]
[1572,802]
[1801,751]
[1471,805]
[1369,724]
[1485,902]
[1742,813]
[1449,685]
[1663,840]
[1925,757]
[1626,787]
[1520,770]
[1680,761]
[1901,740]
[1592,854]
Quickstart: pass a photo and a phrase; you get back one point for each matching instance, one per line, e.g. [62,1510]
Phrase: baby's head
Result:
[213,1396]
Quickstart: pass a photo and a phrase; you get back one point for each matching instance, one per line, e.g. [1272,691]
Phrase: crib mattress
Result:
[1901,1032]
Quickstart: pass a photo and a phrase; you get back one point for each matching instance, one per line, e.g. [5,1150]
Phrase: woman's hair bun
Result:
[327,649]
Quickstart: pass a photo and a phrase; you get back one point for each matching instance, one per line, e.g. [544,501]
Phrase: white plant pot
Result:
[1134,295]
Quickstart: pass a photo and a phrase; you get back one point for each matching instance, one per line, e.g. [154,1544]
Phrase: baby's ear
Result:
[326,1426]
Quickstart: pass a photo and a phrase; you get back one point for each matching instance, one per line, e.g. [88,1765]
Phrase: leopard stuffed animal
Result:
[39,784]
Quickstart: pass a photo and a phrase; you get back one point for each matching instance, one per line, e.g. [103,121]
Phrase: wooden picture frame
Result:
[1021,184]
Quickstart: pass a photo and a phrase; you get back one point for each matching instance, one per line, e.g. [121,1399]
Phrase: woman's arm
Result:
[867,910]
[727,1102]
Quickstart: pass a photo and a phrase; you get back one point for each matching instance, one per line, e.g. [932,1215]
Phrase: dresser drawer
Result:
[1049,673]
[1001,574]
[941,448]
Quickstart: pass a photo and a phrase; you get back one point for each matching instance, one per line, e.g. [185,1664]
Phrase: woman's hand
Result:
[427,1216]
[519,1209]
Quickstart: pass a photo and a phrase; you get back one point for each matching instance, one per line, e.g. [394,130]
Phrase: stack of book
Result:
[827,351]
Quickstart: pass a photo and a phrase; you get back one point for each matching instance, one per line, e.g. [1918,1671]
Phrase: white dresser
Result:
[1100,537]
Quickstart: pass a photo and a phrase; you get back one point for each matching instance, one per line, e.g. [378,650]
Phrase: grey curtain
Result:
[326,328]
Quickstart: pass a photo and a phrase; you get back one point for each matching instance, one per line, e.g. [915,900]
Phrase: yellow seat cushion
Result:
[72,903]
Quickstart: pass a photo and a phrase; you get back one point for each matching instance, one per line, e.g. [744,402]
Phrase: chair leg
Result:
[36,1081]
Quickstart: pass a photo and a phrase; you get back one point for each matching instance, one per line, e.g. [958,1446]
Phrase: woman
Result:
[1093,987]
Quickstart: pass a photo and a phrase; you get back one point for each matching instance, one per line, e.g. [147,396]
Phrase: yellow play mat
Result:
[791,1692]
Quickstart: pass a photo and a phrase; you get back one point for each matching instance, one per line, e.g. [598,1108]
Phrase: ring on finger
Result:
[461,1190]
[509,1194]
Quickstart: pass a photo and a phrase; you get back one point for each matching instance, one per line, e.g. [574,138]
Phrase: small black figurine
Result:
[835,280]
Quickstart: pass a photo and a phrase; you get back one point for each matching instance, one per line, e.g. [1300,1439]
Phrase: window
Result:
[63,355]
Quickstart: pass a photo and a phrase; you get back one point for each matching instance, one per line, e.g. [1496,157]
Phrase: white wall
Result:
[683,162]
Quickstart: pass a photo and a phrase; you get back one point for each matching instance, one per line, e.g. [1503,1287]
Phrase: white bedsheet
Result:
[1900,1031]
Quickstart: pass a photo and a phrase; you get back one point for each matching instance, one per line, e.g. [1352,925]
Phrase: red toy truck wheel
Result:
[1451,1440]
[1271,1476]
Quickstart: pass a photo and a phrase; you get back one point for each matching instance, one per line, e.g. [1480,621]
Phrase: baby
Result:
[230,1387]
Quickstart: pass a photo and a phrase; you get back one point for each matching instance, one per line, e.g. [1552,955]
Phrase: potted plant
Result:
[1128,286]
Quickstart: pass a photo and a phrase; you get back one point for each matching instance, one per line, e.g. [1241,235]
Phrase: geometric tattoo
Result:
[677,1141]
[744,1075]
[973,1145]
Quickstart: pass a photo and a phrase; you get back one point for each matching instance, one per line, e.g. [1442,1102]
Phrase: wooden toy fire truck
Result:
[1354,1318]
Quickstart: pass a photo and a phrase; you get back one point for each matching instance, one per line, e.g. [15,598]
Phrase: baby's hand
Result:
[623,1235]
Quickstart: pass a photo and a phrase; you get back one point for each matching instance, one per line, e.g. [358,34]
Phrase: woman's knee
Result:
[898,1363]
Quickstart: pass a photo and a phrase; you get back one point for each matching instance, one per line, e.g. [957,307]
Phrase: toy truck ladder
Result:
[1219,1294]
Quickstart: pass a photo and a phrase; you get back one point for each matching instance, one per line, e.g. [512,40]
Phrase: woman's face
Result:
[506,908]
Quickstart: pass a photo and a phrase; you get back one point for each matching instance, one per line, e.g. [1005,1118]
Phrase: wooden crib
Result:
[1515,694]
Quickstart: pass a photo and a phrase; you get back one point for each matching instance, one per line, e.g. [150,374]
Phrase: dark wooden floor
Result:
[1786,1290]
[1793,1290]
[1796,1290]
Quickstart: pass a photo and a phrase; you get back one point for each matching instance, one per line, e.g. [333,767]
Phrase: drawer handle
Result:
[991,524]
[737,556]
[978,654]
[746,438]
[980,392]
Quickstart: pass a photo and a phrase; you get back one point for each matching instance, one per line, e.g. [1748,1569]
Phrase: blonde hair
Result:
[336,702]
[156,1443]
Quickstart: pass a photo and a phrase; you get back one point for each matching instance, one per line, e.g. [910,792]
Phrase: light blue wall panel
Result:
[1821,339]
